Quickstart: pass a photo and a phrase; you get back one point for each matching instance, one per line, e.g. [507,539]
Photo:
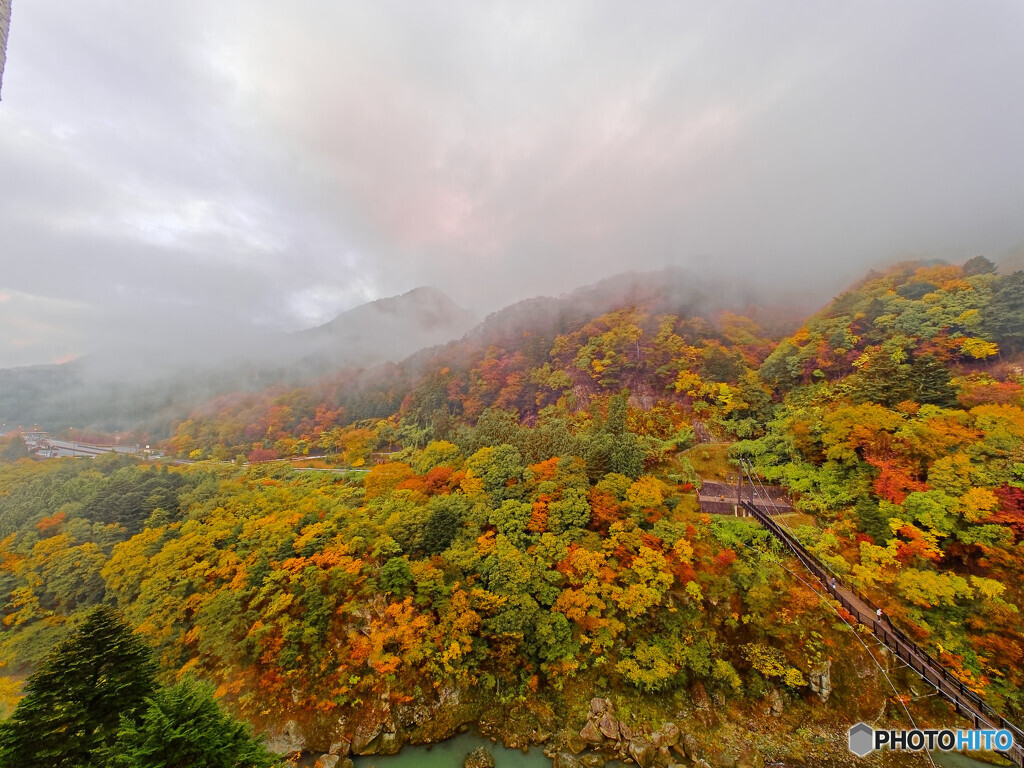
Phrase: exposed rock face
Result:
[820,679]
[776,702]
[289,740]
[363,737]
[479,758]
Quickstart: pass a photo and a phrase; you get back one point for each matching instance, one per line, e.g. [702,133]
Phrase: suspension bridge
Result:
[965,701]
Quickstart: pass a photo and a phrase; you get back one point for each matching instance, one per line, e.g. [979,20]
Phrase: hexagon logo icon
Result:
[862,739]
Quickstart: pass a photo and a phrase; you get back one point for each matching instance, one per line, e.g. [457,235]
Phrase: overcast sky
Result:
[194,165]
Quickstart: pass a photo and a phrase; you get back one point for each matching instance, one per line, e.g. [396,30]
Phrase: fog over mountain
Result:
[205,173]
[154,385]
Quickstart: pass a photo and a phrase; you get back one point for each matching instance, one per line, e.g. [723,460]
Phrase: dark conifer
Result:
[75,700]
[183,727]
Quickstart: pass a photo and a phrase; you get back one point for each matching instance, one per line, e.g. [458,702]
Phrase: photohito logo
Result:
[864,739]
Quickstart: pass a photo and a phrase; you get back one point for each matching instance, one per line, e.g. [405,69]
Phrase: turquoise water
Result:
[452,754]
[956,760]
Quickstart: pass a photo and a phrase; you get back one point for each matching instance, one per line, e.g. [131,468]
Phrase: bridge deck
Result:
[718,498]
[965,701]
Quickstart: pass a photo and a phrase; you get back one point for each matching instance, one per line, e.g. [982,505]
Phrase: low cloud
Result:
[170,169]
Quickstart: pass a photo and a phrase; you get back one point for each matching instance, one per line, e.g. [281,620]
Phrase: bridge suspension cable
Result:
[965,701]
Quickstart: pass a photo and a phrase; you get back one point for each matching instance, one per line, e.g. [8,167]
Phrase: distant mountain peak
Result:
[387,329]
[426,306]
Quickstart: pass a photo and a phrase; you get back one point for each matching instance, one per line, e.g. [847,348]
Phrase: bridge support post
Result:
[739,492]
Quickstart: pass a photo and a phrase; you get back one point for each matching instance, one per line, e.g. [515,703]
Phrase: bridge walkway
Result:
[966,702]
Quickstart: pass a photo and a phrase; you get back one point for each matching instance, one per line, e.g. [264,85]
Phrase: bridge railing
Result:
[950,687]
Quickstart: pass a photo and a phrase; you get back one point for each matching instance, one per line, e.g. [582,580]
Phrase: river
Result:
[452,754]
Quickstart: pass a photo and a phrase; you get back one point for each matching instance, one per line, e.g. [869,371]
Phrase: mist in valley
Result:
[201,199]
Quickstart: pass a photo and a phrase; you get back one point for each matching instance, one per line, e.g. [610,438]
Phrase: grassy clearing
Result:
[796,519]
[711,460]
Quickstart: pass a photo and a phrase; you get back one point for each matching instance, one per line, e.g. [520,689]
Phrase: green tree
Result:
[447,514]
[13,448]
[1004,316]
[500,468]
[183,727]
[979,265]
[872,520]
[76,700]
[396,576]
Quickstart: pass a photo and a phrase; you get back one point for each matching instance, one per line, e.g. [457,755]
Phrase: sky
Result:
[192,168]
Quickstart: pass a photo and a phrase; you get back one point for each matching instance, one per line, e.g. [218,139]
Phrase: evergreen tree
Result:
[872,521]
[76,699]
[929,382]
[1004,316]
[13,448]
[979,265]
[184,727]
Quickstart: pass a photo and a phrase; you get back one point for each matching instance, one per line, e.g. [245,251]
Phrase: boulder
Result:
[340,747]
[642,751]
[566,760]
[609,726]
[666,736]
[700,696]
[479,758]
[388,743]
[625,732]
[592,760]
[692,746]
[591,734]
[722,759]
[600,706]
[327,761]
[750,758]
[576,744]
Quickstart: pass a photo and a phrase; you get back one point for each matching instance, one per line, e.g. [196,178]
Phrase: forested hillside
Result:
[498,530]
